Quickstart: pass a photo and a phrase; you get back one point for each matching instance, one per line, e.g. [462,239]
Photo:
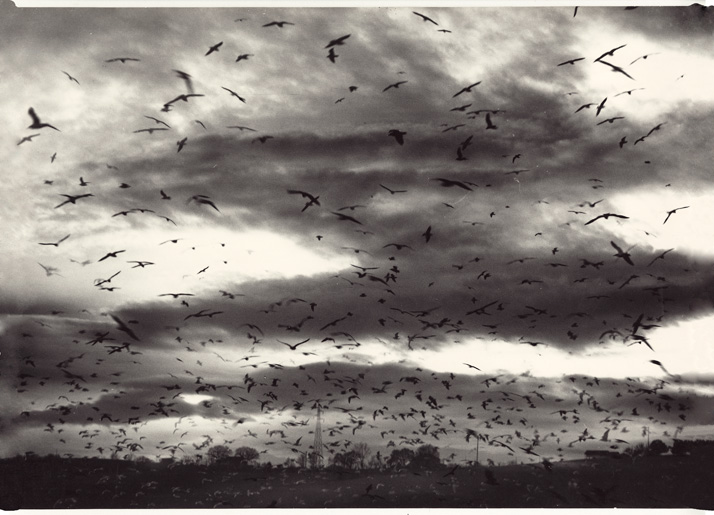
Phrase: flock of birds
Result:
[416,407]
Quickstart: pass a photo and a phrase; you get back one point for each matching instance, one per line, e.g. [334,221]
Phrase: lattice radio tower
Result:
[317,458]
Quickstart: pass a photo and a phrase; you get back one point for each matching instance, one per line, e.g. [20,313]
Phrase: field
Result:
[654,481]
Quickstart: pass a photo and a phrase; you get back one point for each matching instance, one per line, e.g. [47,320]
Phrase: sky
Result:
[476,225]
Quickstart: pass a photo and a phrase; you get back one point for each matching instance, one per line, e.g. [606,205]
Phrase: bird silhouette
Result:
[279,24]
[489,123]
[398,135]
[425,18]
[670,213]
[622,254]
[467,89]
[28,138]
[233,93]
[611,53]
[36,123]
[72,199]
[606,216]
[122,60]
[70,77]
[338,41]
[395,85]
[56,244]
[617,69]
[181,144]
[202,199]
[572,61]
[214,48]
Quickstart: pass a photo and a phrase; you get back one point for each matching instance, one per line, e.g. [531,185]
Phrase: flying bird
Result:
[28,138]
[606,216]
[611,120]
[572,61]
[203,199]
[425,18]
[611,53]
[643,57]
[36,123]
[670,213]
[489,123]
[332,56]
[346,218]
[262,139]
[158,121]
[181,144]
[448,183]
[243,57]
[214,48]
[398,135]
[622,254]
[279,24]
[293,346]
[617,69]
[123,327]
[56,244]
[392,191]
[395,85]
[338,41]
[70,77]
[121,59]
[72,199]
[233,93]
[467,89]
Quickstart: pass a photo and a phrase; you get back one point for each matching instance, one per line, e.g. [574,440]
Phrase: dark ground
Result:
[648,482]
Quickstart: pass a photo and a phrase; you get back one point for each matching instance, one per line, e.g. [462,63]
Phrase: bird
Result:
[398,135]
[425,18]
[572,61]
[28,138]
[56,244]
[601,106]
[623,141]
[622,254]
[158,121]
[489,124]
[279,24]
[643,57]
[214,48]
[123,327]
[233,93]
[243,57]
[293,346]
[427,234]
[611,53]
[241,128]
[183,97]
[111,254]
[164,196]
[201,124]
[585,106]
[448,183]
[70,77]
[203,199]
[72,199]
[181,144]
[611,120]
[617,69]
[151,130]
[670,213]
[338,41]
[395,85]
[467,89]
[460,154]
[186,78]
[661,256]
[36,123]
[393,192]
[472,366]
[50,270]
[346,218]
[606,216]
[313,200]
[628,92]
[123,60]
